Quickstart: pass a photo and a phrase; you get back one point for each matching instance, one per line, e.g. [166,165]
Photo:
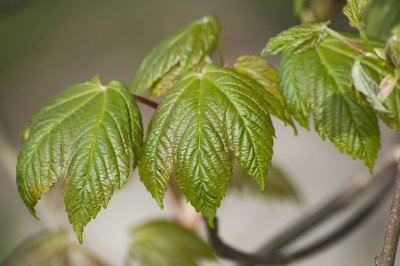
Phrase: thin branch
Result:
[389,248]
[146,101]
[272,253]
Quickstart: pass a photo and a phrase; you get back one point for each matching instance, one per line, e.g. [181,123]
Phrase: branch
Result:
[389,248]
[273,254]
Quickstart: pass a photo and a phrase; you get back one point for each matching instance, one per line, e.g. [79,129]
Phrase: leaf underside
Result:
[91,135]
[325,89]
[205,119]
[162,242]
[181,51]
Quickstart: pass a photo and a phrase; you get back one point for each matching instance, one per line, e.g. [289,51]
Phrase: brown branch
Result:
[389,248]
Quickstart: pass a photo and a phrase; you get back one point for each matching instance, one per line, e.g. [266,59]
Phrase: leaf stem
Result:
[221,53]
[346,41]
[146,101]
[391,241]
[367,42]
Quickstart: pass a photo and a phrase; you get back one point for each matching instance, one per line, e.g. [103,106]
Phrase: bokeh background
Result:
[47,45]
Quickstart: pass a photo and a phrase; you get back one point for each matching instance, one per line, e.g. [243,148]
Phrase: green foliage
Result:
[91,134]
[326,89]
[167,243]
[205,118]
[255,67]
[355,11]
[298,39]
[382,16]
[180,52]
[278,187]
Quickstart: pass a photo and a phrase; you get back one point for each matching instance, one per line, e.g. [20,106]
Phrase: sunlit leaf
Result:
[91,135]
[205,119]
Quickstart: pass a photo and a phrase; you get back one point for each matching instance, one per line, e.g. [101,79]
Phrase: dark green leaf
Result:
[297,39]
[382,16]
[256,68]
[205,119]
[179,52]
[355,11]
[326,88]
[167,243]
[91,134]
[278,187]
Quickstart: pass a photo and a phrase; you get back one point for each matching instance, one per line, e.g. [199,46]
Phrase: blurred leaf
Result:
[179,52]
[278,186]
[392,49]
[49,248]
[197,129]
[355,11]
[367,86]
[44,248]
[298,6]
[256,68]
[382,16]
[91,134]
[167,243]
[297,39]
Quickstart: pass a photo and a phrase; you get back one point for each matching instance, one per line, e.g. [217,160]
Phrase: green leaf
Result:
[44,248]
[91,135]
[381,17]
[355,11]
[205,119]
[279,187]
[326,89]
[179,52]
[256,68]
[392,49]
[365,84]
[167,243]
[297,39]
[298,6]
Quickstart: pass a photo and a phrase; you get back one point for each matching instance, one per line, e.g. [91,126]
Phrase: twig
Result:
[146,101]
[389,248]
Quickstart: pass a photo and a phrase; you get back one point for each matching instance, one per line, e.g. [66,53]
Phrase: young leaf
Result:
[297,39]
[326,90]
[355,11]
[206,118]
[256,68]
[167,243]
[365,84]
[180,52]
[91,134]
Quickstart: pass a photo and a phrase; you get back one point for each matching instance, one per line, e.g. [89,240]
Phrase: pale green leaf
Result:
[91,135]
[365,84]
[167,243]
[179,52]
[355,11]
[298,6]
[297,39]
[278,187]
[255,67]
[326,88]
[381,17]
[205,119]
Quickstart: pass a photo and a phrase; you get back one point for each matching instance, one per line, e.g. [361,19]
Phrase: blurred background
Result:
[47,45]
